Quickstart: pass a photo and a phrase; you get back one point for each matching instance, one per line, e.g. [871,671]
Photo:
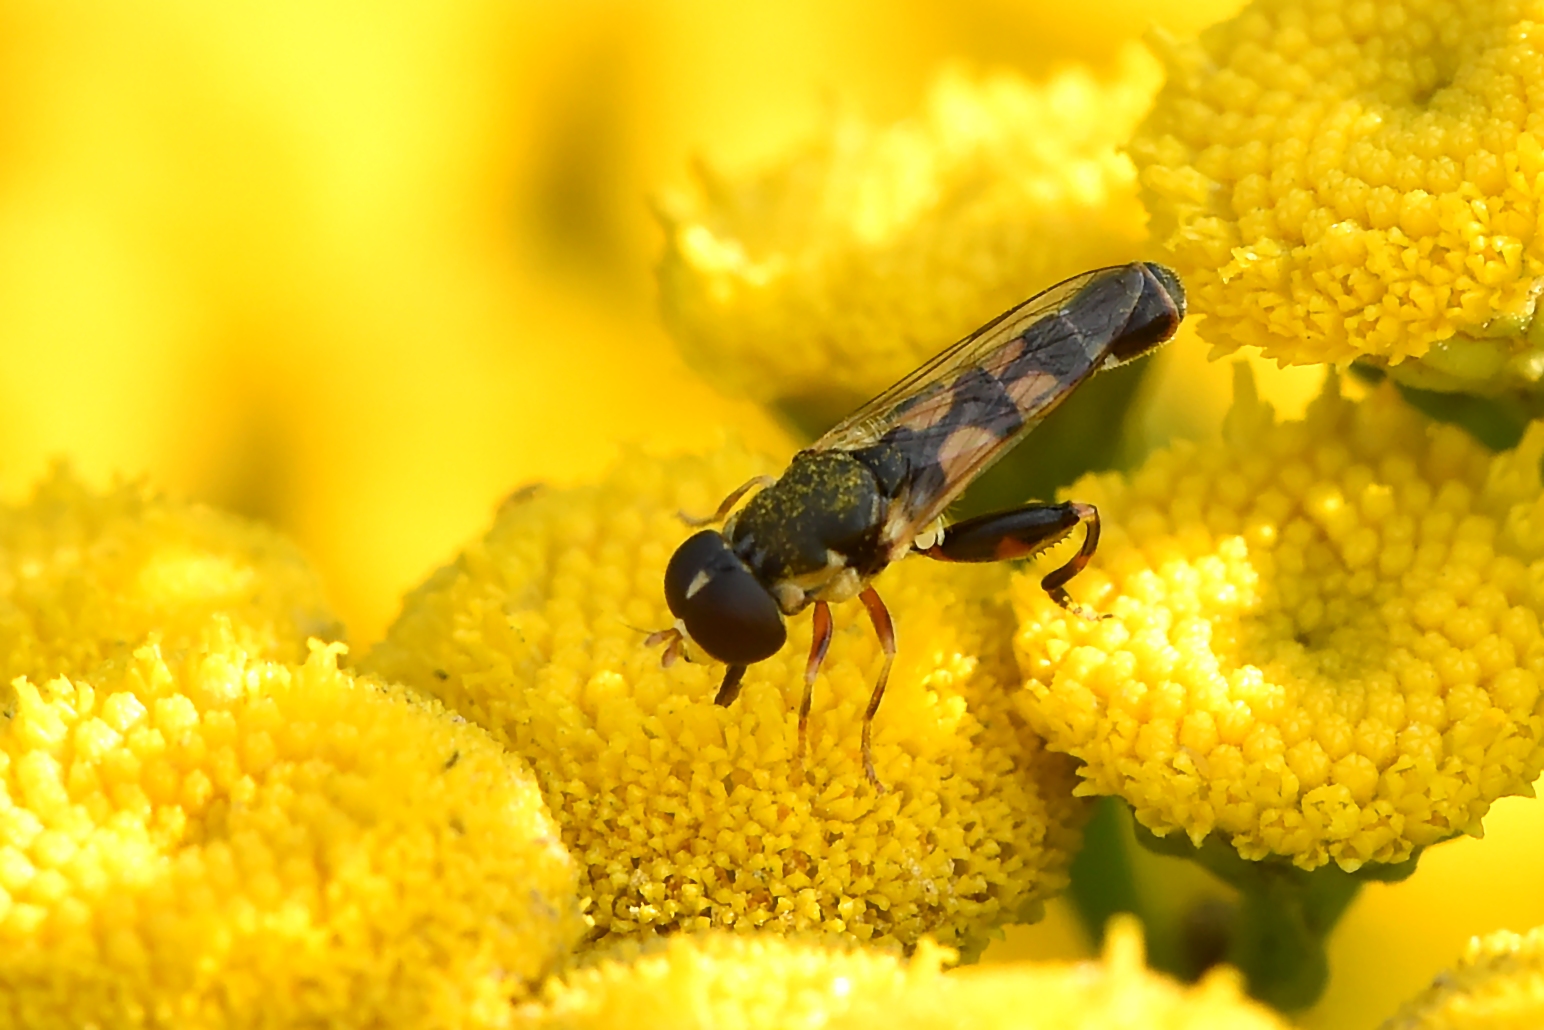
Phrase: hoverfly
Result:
[873,489]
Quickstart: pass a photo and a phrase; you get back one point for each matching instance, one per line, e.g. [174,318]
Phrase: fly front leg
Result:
[729,689]
[1023,533]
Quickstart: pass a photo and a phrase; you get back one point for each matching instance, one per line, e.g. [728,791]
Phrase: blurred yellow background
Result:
[362,269]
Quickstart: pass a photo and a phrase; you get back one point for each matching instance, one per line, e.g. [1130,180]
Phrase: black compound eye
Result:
[726,609]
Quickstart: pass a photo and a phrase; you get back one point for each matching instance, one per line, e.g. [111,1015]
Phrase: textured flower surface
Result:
[823,280]
[214,840]
[687,815]
[1118,992]
[1512,492]
[87,576]
[1314,647]
[1336,180]
[738,983]
[1497,985]
[715,980]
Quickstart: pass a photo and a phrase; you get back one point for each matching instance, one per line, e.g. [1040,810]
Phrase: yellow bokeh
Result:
[362,270]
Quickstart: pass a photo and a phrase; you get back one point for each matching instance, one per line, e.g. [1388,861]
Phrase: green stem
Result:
[1280,931]
[1284,914]
[1103,881]
[1269,919]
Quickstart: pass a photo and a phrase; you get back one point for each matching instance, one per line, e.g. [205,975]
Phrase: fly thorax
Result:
[843,585]
[821,518]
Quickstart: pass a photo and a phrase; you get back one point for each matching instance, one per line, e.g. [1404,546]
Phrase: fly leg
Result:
[879,615]
[728,503]
[1023,533]
[729,689]
[819,644]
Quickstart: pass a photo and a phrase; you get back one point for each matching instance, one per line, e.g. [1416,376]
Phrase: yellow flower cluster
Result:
[1497,985]
[87,576]
[214,840]
[1116,993]
[194,833]
[722,981]
[1512,491]
[1338,180]
[739,983]
[685,815]
[819,282]
[1314,645]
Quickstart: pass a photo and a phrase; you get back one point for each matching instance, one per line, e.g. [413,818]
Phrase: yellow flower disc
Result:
[828,277]
[1118,992]
[686,815]
[217,841]
[1512,489]
[1497,985]
[722,981]
[1341,179]
[1313,645]
[87,576]
[751,982]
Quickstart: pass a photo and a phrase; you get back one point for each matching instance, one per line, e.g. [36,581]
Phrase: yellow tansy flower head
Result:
[1314,647]
[1118,992]
[830,276]
[1497,985]
[87,576]
[687,815]
[1512,491]
[721,981]
[1337,180]
[751,982]
[221,841]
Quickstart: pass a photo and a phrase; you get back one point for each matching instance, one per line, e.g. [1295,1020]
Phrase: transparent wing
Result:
[950,419]
[929,385]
